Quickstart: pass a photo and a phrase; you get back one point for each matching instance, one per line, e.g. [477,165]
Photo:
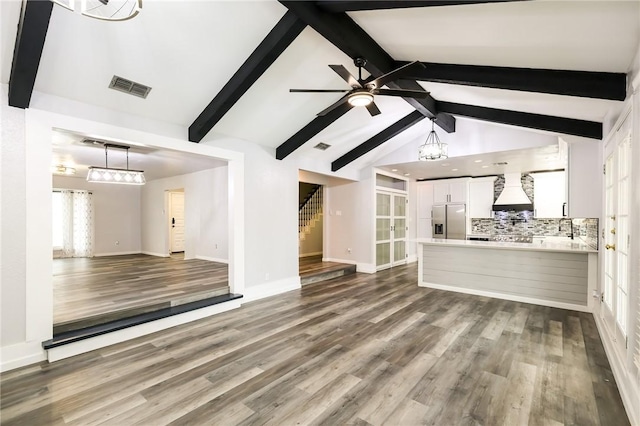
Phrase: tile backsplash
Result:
[523,223]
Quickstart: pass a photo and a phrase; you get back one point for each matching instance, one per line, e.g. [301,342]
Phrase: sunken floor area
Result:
[361,349]
[89,291]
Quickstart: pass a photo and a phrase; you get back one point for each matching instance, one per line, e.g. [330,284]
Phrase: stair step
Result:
[115,315]
[324,275]
[73,336]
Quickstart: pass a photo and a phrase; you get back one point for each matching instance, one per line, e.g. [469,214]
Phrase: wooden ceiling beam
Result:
[337,6]
[587,84]
[567,126]
[278,39]
[310,130]
[377,140]
[32,33]
[346,35]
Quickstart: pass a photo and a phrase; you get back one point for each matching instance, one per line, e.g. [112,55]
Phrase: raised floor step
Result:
[335,270]
[76,335]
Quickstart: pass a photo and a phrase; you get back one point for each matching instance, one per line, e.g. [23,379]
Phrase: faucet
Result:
[570,225]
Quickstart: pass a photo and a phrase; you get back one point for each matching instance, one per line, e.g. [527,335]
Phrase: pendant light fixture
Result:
[108,174]
[432,149]
[106,10]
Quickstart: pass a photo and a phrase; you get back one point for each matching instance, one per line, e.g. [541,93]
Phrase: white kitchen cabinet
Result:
[549,195]
[424,228]
[450,191]
[424,199]
[481,197]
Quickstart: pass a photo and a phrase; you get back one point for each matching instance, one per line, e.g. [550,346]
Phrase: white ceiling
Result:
[523,160]
[187,50]
[70,151]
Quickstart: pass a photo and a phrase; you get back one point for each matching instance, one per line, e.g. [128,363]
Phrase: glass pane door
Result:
[383,229]
[399,229]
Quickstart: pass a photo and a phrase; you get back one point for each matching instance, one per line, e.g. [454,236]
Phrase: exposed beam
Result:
[335,6]
[568,126]
[32,32]
[377,140]
[346,35]
[587,84]
[278,39]
[310,130]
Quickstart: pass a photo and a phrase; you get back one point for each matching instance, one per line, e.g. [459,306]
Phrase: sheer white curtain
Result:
[77,224]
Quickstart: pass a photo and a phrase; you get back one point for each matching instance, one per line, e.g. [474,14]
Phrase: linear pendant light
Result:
[108,174]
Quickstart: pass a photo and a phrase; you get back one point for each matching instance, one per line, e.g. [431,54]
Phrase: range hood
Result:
[512,196]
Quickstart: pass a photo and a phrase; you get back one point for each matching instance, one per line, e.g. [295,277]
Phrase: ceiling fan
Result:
[363,91]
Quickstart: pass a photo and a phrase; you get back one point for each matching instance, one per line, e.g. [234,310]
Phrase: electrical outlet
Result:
[266,276]
[117,242]
[216,247]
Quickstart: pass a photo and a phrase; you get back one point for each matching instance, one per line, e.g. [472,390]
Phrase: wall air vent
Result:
[130,87]
[322,146]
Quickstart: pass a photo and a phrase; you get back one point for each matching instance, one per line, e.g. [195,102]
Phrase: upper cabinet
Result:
[549,195]
[481,198]
[450,191]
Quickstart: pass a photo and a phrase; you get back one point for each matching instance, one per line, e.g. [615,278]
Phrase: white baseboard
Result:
[318,253]
[213,259]
[272,288]
[511,297]
[87,345]
[21,354]
[119,253]
[627,384]
[150,253]
[367,268]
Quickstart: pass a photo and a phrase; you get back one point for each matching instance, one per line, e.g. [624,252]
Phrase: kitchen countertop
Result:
[566,247]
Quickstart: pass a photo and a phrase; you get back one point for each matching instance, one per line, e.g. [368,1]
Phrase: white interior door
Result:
[177,221]
[615,312]
[391,229]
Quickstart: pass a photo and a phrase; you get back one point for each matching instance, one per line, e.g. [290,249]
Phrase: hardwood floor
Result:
[362,349]
[100,289]
[312,269]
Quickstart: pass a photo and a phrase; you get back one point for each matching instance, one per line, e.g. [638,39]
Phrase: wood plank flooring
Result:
[312,269]
[101,289]
[362,350]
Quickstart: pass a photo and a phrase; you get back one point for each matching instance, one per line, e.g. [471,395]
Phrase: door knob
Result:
[610,246]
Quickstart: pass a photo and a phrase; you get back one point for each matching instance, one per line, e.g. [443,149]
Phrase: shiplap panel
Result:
[560,277]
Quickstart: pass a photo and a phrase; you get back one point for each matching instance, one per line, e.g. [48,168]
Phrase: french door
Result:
[391,229]
[615,312]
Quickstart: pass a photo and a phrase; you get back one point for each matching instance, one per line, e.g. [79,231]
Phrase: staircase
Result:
[310,212]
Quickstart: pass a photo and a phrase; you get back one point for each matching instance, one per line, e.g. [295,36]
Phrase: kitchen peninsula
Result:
[556,274]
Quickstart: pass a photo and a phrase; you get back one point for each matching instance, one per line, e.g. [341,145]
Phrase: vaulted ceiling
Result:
[556,66]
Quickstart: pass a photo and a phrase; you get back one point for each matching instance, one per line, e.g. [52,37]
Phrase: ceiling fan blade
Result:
[318,91]
[332,106]
[373,109]
[396,74]
[346,75]
[401,92]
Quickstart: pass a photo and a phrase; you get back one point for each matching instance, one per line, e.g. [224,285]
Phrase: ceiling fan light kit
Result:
[432,149]
[362,93]
[360,99]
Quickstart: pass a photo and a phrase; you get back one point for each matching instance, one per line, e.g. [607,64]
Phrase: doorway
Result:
[176,215]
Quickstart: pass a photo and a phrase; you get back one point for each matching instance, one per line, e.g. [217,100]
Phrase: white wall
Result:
[349,223]
[205,203]
[13,231]
[116,214]
[271,218]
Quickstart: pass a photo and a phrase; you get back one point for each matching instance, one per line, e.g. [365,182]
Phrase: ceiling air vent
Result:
[322,146]
[130,87]
[92,142]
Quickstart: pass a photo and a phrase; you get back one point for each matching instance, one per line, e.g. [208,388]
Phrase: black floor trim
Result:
[72,336]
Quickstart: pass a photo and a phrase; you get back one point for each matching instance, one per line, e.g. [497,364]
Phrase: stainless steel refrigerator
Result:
[449,221]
